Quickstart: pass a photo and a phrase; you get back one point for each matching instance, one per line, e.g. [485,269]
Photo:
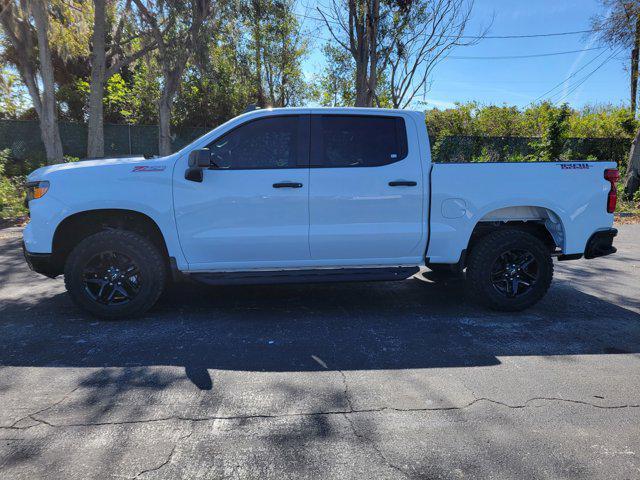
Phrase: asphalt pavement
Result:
[362,380]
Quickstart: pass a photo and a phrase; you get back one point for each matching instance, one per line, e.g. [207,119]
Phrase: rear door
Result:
[366,190]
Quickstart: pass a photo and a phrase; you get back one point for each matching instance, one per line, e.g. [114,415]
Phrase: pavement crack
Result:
[169,458]
[31,416]
[348,411]
[375,447]
[346,394]
[552,399]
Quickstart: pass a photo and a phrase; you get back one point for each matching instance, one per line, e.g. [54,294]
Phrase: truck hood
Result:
[43,172]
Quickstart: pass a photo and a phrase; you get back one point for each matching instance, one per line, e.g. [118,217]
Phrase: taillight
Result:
[612,175]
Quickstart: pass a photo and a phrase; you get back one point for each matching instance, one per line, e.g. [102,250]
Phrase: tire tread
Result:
[153,262]
[484,249]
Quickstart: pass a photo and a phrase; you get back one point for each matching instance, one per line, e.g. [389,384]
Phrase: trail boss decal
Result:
[575,166]
[149,168]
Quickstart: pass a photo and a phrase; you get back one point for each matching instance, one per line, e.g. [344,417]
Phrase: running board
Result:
[384,274]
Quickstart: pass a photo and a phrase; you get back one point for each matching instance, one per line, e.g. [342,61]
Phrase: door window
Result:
[264,143]
[357,141]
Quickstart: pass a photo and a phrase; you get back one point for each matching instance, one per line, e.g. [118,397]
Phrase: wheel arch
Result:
[542,222]
[79,225]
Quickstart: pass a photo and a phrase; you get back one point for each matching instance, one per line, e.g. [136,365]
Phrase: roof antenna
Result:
[251,107]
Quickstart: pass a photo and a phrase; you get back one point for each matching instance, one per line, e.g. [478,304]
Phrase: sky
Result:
[520,81]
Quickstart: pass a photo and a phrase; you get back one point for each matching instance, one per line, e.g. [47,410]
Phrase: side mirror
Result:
[200,158]
[193,174]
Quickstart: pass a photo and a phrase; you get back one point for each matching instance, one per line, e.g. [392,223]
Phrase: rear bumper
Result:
[601,244]
[41,263]
[598,245]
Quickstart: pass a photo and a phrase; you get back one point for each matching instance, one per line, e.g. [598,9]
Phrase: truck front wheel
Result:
[115,274]
[509,270]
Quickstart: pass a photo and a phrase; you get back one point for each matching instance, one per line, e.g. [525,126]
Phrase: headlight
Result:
[36,190]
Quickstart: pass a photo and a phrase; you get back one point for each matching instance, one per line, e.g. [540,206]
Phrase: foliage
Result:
[474,132]
[218,90]
[534,121]
[12,97]
[628,206]
[552,144]
[117,99]
[11,195]
[335,85]
[144,91]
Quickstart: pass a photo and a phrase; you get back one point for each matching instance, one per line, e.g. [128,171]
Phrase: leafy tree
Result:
[115,43]
[400,40]
[26,30]
[12,98]
[334,86]
[11,196]
[420,35]
[283,52]
[177,28]
[552,144]
[276,46]
[144,86]
[619,27]
[356,26]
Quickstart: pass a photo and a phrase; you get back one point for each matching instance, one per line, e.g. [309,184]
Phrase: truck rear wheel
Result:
[509,270]
[115,274]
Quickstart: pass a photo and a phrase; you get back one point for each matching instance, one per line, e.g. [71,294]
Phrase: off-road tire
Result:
[482,258]
[144,254]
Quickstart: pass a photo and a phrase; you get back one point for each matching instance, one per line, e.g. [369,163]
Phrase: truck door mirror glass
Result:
[193,174]
[200,158]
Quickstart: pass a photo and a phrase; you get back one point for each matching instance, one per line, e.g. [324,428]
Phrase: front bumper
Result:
[601,244]
[41,263]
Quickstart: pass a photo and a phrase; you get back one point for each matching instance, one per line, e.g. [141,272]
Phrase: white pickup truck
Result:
[311,195]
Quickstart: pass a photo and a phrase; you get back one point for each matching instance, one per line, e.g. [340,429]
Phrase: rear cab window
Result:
[357,140]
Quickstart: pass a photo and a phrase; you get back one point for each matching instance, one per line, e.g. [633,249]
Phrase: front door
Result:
[251,210]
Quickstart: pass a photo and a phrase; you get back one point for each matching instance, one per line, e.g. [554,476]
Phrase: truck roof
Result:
[335,110]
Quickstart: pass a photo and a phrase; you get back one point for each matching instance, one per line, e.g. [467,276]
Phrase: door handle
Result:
[287,185]
[402,183]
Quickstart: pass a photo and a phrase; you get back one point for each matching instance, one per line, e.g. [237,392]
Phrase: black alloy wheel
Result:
[509,270]
[514,273]
[111,278]
[115,274]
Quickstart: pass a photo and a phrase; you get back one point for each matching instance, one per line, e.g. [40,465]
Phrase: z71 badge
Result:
[575,166]
[149,168]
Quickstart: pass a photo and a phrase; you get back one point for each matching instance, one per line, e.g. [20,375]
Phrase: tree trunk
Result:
[635,53]
[48,118]
[164,115]
[95,127]
[373,21]
[171,81]
[362,84]
[257,38]
[632,178]
[364,49]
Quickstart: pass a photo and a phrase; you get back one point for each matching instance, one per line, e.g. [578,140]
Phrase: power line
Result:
[533,35]
[477,37]
[589,75]
[570,76]
[509,57]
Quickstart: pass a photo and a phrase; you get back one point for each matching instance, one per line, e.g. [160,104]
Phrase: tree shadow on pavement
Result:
[359,326]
